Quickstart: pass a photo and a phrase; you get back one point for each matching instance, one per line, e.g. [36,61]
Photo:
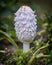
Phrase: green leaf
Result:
[9,38]
[1,51]
[39,55]
[13,34]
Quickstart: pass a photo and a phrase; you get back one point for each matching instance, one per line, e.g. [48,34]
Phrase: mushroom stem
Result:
[26,47]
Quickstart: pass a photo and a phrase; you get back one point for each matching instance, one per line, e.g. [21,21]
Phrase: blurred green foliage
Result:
[35,56]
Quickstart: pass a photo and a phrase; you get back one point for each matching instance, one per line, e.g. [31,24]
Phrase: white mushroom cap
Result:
[24,9]
[25,24]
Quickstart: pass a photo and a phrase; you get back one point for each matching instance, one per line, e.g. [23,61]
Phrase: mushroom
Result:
[25,26]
